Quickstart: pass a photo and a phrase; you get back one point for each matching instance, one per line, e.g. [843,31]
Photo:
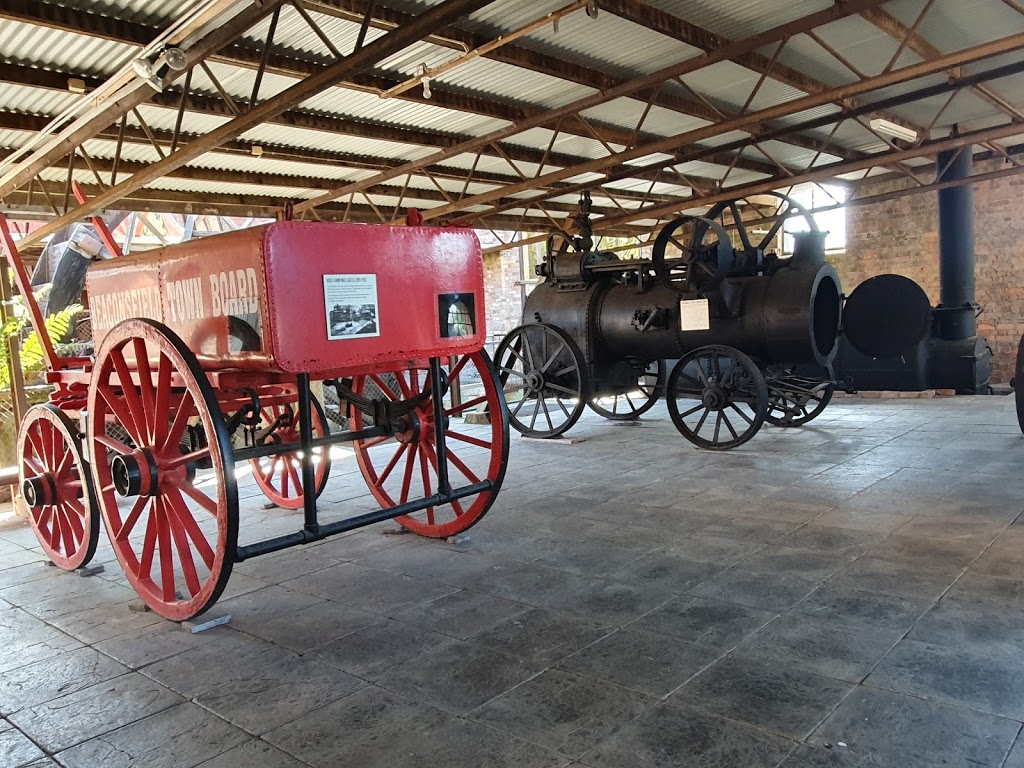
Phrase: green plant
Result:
[58,328]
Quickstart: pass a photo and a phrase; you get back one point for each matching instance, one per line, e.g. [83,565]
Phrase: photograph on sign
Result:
[352,306]
[694,315]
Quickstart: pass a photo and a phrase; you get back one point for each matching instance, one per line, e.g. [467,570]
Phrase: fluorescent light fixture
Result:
[895,130]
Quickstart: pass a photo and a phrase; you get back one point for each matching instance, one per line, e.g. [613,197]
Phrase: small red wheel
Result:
[55,484]
[404,467]
[280,476]
[167,492]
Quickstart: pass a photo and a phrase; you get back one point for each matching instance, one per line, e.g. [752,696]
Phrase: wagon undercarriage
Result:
[149,437]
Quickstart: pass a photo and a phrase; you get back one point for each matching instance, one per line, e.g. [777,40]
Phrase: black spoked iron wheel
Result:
[696,253]
[543,375]
[1018,384]
[717,397]
[797,400]
[632,402]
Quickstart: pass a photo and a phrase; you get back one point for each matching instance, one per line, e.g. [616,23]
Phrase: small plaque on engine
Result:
[694,315]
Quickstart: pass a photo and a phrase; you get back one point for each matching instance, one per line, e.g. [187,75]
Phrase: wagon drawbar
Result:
[205,353]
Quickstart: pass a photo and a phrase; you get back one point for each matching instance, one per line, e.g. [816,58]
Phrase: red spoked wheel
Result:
[168,492]
[280,476]
[55,484]
[403,467]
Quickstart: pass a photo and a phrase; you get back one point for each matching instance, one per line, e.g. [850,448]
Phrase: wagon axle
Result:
[135,474]
[41,490]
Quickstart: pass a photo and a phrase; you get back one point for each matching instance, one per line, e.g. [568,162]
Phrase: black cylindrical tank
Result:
[790,316]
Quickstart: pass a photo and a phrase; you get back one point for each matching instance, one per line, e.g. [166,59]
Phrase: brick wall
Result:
[902,236]
[503,296]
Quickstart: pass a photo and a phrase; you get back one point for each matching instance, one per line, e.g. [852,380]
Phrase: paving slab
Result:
[563,712]
[597,584]
[989,682]
[764,590]
[180,737]
[305,630]
[641,661]
[894,729]
[371,589]
[713,623]
[782,698]
[253,753]
[55,676]
[269,696]
[841,651]
[462,614]
[608,602]
[456,676]
[677,735]
[16,750]
[79,716]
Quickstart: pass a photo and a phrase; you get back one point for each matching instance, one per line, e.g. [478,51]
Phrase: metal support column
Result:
[311,525]
[956,247]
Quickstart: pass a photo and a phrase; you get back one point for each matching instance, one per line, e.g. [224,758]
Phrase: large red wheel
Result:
[167,492]
[55,484]
[280,476]
[403,468]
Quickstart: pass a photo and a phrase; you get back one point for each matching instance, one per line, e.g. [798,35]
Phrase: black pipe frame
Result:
[312,530]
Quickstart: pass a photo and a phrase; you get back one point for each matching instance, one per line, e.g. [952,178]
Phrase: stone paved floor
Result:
[847,594]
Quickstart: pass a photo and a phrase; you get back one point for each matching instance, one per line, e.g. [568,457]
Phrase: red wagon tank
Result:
[308,297]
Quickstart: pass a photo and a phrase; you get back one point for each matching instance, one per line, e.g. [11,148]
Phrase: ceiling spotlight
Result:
[424,75]
[895,130]
[154,72]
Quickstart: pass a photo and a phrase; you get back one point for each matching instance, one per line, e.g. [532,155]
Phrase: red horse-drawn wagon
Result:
[204,356]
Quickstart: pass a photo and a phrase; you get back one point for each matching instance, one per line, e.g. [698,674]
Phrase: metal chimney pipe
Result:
[956,314]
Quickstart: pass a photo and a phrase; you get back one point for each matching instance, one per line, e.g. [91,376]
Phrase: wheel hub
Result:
[715,398]
[409,431]
[39,491]
[535,381]
[134,474]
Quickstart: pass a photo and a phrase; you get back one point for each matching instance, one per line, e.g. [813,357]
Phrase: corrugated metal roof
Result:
[636,49]
[25,100]
[47,48]
[951,25]
[737,19]
[608,44]
[149,12]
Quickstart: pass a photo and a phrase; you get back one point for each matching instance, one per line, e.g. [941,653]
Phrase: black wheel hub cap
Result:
[715,398]
[535,381]
[35,490]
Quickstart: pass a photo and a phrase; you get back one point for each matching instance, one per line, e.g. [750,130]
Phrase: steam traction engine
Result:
[205,352]
[598,329]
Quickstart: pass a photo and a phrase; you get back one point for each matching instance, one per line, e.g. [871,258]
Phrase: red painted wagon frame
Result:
[385,401]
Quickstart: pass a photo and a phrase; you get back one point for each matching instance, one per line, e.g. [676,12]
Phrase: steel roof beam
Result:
[461,40]
[256,178]
[654,80]
[320,158]
[391,43]
[913,39]
[220,204]
[132,94]
[294,65]
[847,166]
[794,106]
[672,26]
